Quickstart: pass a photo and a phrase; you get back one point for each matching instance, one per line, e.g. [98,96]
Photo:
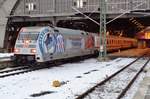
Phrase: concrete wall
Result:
[5,10]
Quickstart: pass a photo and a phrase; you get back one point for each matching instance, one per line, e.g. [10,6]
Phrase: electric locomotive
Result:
[43,44]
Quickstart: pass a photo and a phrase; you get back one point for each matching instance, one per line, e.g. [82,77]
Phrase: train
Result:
[40,44]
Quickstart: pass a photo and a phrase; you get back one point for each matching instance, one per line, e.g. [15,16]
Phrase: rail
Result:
[132,81]
[83,95]
[35,67]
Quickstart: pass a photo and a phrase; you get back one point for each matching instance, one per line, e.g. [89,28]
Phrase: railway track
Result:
[30,68]
[14,71]
[132,81]
[25,69]
[98,91]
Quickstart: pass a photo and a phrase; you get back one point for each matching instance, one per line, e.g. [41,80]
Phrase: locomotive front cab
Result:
[25,47]
[34,44]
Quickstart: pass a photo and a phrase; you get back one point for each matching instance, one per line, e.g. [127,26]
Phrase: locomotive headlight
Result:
[33,50]
[27,41]
[16,50]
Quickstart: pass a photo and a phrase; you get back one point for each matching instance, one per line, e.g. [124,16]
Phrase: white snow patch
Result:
[6,55]
[78,77]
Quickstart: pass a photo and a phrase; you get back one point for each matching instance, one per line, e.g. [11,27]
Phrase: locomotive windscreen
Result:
[28,36]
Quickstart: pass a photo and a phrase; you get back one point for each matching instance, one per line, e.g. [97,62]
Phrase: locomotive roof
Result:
[61,30]
[69,31]
[32,29]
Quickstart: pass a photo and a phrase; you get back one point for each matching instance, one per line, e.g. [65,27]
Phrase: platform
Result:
[144,89]
[130,53]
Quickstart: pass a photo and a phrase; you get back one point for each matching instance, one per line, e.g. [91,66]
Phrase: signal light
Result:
[33,50]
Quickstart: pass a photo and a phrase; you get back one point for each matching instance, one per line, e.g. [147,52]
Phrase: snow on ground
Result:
[6,55]
[131,92]
[78,77]
[113,88]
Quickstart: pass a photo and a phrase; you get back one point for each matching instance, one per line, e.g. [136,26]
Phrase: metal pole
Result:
[102,32]
[105,39]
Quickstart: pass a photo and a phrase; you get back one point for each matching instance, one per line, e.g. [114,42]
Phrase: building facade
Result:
[65,7]
[27,11]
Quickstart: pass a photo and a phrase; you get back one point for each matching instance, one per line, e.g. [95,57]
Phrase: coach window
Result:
[111,41]
[108,41]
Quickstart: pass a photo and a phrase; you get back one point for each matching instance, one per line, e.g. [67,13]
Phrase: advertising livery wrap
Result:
[49,43]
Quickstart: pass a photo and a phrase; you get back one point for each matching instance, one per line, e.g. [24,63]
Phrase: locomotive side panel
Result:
[76,43]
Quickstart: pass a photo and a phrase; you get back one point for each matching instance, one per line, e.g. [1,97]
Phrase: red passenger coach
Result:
[116,42]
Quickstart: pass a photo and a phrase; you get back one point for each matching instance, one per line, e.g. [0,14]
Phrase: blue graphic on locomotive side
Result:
[59,43]
[51,43]
[42,37]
